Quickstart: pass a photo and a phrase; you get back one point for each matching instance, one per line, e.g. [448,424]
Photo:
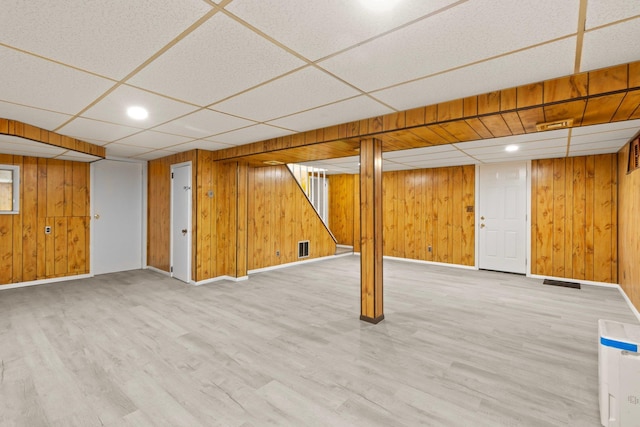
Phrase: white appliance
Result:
[619,374]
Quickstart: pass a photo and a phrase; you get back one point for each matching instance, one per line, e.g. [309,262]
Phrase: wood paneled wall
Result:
[428,207]
[159,209]
[52,193]
[629,228]
[216,229]
[422,208]
[574,218]
[279,217]
[341,208]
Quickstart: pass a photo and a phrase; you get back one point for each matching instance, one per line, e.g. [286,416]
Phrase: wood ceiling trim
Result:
[593,97]
[33,133]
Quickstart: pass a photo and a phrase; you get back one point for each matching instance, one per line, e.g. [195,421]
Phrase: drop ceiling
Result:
[214,75]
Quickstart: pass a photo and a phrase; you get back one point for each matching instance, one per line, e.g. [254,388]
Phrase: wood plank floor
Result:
[457,348]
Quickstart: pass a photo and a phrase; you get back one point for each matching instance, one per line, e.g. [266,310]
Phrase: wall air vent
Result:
[634,155]
[558,124]
[303,249]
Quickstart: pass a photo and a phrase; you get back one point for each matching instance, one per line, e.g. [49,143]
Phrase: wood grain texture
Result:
[159,210]
[27,131]
[371,231]
[422,209]
[52,193]
[459,348]
[341,194]
[280,216]
[628,241]
[574,220]
[595,97]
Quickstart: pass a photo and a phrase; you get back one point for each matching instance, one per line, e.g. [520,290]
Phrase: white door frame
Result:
[143,195]
[189,221]
[527,220]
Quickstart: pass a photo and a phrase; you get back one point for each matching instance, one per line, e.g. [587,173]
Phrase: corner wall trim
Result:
[44,281]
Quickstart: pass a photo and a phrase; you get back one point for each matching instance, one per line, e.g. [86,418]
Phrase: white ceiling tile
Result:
[302,90]
[201,144]
[631,126]
[398,154]
[561,134]
[25,147]
[340,112]
[152,139]
[421,158]
[491,147]
[41,118]
[601,12]
[203,123]
[86,128]
[317,29]
[27,80]
[121,150]
[592,152]
[217,60]
[78,157]
[84,34]
[610,145]
[388,166]
[250,134]
[452,39]
[624,135]
[611,45]
[113,108]
[532,65]
[152,155]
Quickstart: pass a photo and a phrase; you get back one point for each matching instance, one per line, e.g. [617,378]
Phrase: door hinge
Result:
[171,269]
[171,175]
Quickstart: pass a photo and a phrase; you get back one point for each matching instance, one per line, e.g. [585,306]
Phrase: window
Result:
[9,189]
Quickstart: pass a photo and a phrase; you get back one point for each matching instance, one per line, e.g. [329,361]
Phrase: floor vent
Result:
[560,283]
[303,249]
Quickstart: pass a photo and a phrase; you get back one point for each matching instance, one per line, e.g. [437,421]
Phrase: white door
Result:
[181,221]
[503,217]
[116,199]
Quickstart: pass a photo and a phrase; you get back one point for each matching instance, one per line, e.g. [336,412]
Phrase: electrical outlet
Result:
[277,253]
[47,229]
[429,248]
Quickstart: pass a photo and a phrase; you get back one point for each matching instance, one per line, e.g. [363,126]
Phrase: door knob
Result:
[184,231]
[97,216]
[482,218]
[481,225]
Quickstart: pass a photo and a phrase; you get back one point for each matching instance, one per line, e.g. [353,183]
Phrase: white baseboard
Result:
[344,246]
[157,270]
[291,264]
[420,261]
[45,281]
[591,283]
[220,278]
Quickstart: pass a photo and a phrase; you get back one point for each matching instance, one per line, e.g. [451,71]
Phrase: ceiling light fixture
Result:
[273,162]
[379,5]
[511,148]
[137,113]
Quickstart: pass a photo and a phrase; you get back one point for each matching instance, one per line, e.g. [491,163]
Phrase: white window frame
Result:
[15,171]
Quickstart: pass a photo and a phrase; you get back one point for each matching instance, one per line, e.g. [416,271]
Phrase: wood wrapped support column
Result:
[242,219]
[371,307]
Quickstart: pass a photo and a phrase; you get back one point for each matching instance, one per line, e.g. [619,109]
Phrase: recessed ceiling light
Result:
[137,113]
[511,148]
[379,5]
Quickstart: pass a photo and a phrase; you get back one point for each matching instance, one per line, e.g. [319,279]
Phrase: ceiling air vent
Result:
[558,124]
